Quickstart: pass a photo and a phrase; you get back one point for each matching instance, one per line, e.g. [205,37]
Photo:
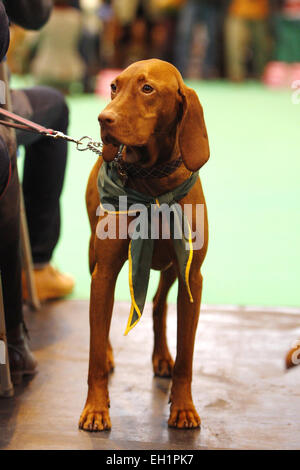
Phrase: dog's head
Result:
[153,112]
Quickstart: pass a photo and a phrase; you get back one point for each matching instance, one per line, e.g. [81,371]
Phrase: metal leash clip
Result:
[90,145]
[59,135]
[19,122]
[81,145]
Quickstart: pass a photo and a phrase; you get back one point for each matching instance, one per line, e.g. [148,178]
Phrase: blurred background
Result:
[243,59]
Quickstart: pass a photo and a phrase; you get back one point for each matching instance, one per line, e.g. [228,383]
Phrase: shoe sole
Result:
[17,377]
[49,296]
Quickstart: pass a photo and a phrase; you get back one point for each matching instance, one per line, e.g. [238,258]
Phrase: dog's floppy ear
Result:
[193,139]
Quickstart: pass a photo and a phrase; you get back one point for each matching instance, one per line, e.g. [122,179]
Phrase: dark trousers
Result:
[195,12]
[44,169]
[10,255]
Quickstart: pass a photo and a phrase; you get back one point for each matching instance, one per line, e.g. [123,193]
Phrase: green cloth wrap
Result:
[115,197]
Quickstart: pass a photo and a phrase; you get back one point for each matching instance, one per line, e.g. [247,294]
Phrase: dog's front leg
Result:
[95,416]
[183,413]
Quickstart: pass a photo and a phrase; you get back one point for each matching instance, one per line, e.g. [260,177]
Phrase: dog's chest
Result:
[163,254]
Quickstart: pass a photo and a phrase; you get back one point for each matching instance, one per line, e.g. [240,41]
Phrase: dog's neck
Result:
[159,150]
[161,147]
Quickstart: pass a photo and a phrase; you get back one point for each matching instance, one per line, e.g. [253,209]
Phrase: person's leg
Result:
[4,166]
[295,40]
[260,46]
[211,18]
[236,42]
[283,39]
[186,22]
[10,256]
[44,171]
[22,362]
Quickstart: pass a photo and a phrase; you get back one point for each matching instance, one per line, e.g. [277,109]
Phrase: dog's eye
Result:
[113,87]
[147,88]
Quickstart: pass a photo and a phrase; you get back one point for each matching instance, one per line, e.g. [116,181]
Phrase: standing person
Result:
[57,61]
[45,161]
[20,357]
[246,25]
[205,13]
[44,170]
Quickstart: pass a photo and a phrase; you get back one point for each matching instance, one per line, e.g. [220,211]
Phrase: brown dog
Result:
[157,118]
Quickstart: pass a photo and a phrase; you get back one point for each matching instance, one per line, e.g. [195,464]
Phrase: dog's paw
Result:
[184,418]
[94,420]
[162,366]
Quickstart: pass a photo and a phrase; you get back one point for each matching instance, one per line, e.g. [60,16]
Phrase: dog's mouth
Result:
[110,139]
[129,156]
[134,152]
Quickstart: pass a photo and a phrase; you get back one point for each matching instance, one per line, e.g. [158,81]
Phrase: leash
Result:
[82,144]
[87,143]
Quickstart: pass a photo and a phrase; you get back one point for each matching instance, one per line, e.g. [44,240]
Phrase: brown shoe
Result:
[21,360]
[50,283]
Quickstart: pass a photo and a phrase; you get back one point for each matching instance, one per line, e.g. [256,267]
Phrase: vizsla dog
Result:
[157,119]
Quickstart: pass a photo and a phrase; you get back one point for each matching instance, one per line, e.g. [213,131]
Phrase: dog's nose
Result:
[107,118]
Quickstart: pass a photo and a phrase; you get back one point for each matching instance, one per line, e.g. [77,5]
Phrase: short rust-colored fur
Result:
[157,117]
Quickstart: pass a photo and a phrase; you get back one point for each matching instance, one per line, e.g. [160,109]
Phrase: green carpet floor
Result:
[252,188]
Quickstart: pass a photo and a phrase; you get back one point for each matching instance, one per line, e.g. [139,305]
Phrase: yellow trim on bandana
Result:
[117,212]
[188,265]
[133,302]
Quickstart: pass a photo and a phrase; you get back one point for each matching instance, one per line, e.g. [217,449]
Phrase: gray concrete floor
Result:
[245,398]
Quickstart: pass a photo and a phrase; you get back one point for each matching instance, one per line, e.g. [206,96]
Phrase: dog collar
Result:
[155,171]
[136,171]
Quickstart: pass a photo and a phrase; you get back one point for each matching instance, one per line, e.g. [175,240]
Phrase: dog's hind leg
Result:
[92,259]
[161,357]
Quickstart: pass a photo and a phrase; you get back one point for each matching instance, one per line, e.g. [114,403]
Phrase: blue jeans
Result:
[192,13]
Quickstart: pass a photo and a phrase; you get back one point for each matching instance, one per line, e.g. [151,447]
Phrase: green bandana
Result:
[125,200]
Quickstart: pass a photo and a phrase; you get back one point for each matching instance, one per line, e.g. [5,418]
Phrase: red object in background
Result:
[281,74]
[294,72]
[276,74]
[104,79]
[292,8]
